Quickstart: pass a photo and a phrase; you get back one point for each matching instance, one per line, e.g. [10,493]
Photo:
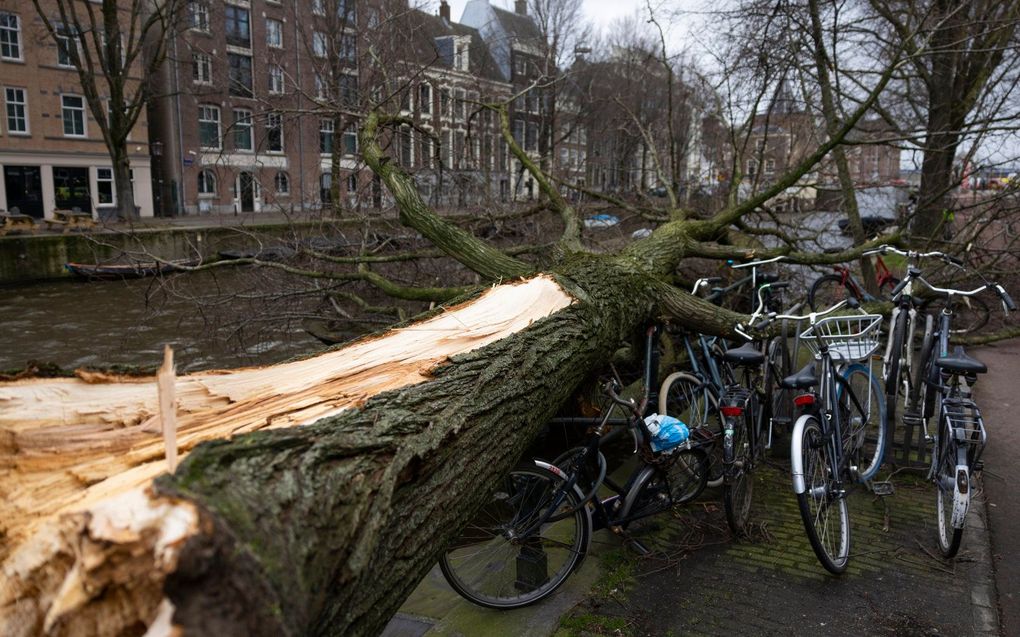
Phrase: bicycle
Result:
[747,414]
[830,288]
[536,527]
[839,438]
[959,436]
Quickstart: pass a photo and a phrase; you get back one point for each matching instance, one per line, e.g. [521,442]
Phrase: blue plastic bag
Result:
[667,432]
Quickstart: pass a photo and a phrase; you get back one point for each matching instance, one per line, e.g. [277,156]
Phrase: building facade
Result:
[52,152]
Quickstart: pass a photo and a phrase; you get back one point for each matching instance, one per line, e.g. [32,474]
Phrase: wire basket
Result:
[850,338]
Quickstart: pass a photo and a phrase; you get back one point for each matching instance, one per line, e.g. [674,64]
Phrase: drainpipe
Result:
[301,136]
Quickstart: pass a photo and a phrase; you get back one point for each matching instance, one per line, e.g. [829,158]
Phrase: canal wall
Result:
[41,257]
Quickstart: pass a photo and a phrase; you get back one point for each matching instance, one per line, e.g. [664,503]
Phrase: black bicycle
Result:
[942,385]
[535,528]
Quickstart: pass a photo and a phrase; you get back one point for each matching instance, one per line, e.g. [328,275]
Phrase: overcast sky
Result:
[601,12]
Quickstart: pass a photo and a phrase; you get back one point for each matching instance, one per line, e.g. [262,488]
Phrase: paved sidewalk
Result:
[701,581]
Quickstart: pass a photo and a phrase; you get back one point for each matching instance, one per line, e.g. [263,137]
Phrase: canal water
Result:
[211,321]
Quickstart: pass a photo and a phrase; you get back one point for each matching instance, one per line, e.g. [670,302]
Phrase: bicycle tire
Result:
[489,567]
[891,371]
[967,319]
[686,397]
[867,430]
[820,499]
[738,487]
[949,537]
[827,290]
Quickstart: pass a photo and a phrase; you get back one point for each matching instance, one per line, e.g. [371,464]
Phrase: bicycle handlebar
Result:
[913,254]
[702,282]
[751,264]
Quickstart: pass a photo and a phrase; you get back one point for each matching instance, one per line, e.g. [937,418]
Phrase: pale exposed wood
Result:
[168,407]
[67,444]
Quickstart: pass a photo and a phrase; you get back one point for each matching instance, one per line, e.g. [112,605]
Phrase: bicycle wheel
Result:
[865,423]
[823,509]
[970,314]
[892,365]
[491,565]
[738,487]
[950,490]
[686,397]
[686,474]
[827,290]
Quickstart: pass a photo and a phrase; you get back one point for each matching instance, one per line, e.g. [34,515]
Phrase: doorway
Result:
[24,190]
[246,191]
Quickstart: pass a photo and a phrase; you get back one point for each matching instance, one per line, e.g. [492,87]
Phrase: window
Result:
[319,44]
[276,78]
[240,74]
[531,141]
[321,89]
[238,26]
[209,127]
[352,182]
[459,154]
[349,90]
[351,140]
[319,7]
[425,98]
[519,131]
[460,60]
[10,36]
[770,166]
[326,136]
[243,139]
[17,111]
[425,151]
[201,68]
[206,183]
[67,40]
[405,100]
[564,157]
[348,48]
[274,132]
[459,106]
[406,142]
[325,187]
[444,50]
[274,33]
[752,167]
[104,186]
[73,113]
[198,15]
[282,182]
[444,102]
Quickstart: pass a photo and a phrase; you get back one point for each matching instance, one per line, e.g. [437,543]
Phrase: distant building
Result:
[52,153]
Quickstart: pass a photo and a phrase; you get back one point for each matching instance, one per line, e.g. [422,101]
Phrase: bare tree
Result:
[115,46]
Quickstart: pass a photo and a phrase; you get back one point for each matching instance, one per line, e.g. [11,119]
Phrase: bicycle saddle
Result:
[960,363]
[804,379]
[746,355]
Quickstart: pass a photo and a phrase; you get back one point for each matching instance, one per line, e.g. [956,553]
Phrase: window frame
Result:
[326,129]
[14,40]
[244,119]
[285,180]
[272,117]
[235,87]
[425,98]
[24,111]
[201,61]
[350,133]
[319,46]
[84,118]
[198,15]
[274,26]
[230,14]
[209,177]
[213,108]
[277,80]
[100,180]
[65,33]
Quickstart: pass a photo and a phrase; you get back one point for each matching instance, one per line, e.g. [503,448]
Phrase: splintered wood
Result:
[68,444]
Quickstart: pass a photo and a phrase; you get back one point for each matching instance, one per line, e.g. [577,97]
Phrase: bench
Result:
[14,222]
[71,220]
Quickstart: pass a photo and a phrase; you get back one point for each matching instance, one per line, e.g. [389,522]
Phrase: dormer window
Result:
[453,51]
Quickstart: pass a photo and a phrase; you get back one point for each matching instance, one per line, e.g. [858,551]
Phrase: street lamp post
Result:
[157,161]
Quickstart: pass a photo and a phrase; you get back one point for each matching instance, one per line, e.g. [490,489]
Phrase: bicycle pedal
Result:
[911,419]
[883,488]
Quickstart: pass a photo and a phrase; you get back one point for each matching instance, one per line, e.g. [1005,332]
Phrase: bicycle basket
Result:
[849,338]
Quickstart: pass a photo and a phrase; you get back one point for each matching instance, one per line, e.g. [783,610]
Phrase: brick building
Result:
[52,153]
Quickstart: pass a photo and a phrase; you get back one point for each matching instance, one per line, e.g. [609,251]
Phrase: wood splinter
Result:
[165,378]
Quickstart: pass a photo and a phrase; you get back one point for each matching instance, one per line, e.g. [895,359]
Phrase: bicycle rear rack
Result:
[964,419]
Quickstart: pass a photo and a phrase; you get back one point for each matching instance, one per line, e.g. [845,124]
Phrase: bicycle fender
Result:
[796,457]
[587,510]
[639,484]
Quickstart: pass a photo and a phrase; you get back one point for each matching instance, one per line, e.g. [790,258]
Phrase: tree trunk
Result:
[122,182]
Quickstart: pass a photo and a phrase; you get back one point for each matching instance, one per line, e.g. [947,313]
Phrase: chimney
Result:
[521,7]
[444,10]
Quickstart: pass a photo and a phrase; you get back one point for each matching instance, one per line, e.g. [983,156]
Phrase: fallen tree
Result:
[324,488]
